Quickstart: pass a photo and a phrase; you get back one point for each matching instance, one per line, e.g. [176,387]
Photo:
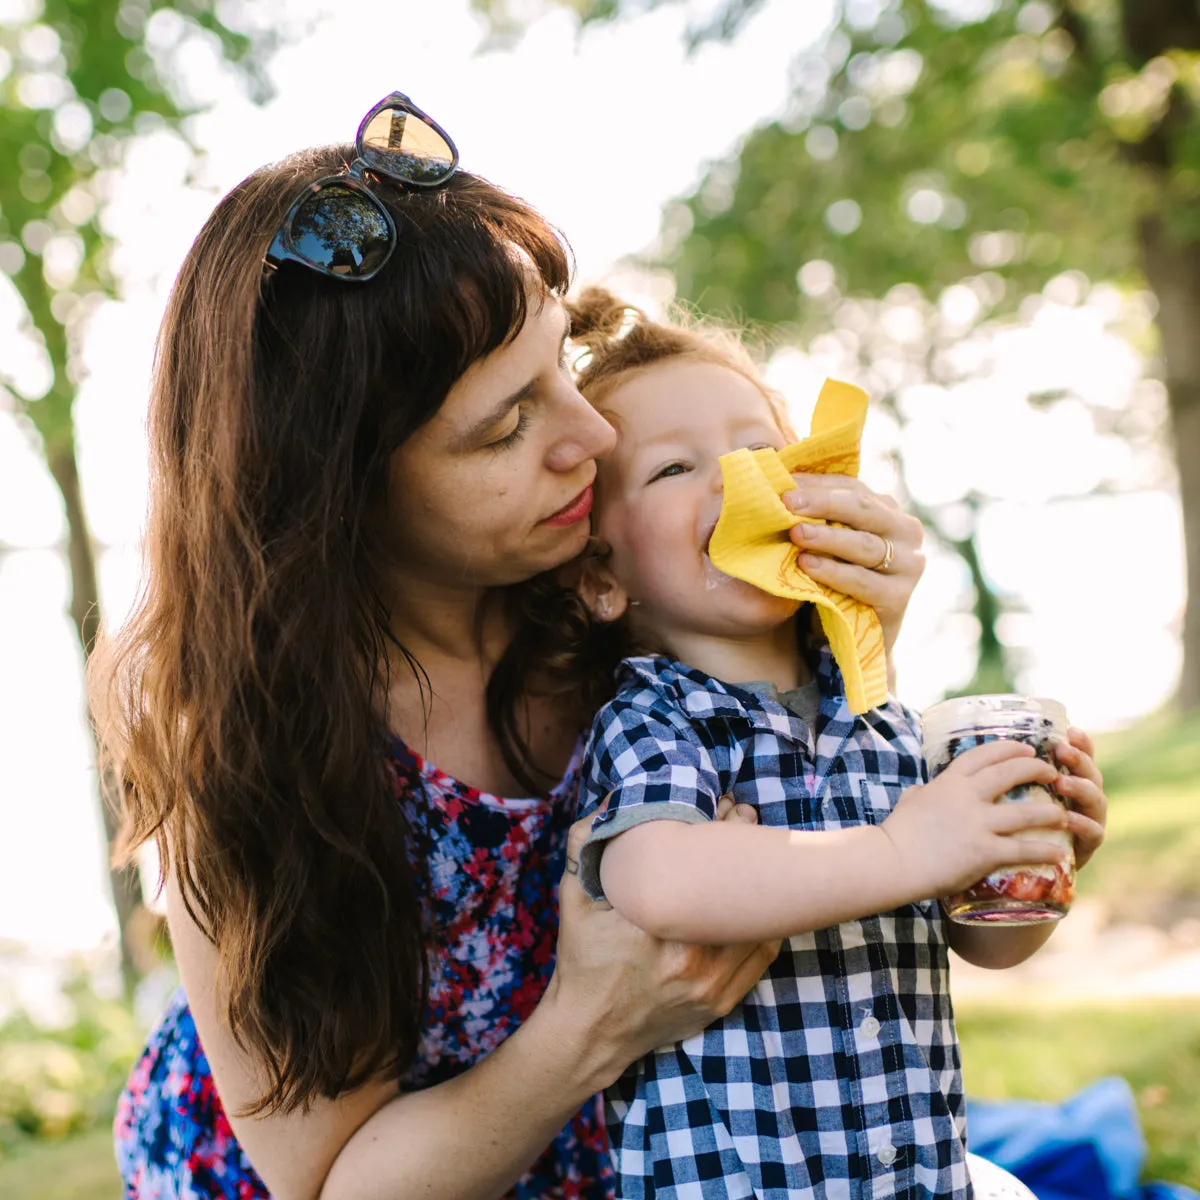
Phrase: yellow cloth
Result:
[751,539]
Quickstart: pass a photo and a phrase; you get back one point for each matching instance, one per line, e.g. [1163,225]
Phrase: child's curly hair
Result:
[615,340]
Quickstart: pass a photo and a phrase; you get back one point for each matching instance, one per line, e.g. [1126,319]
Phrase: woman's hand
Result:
[1084,791]
[632,991]
[851,555]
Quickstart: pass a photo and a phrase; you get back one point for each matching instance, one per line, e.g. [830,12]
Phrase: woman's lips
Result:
[577,510]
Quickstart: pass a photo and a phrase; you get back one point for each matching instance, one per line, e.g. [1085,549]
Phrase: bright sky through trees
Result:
[599,134]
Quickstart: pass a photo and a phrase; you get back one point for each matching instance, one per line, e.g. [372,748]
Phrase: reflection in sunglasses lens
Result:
[341,230]
[405,147]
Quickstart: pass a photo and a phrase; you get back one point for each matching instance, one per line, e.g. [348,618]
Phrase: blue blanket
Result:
[1088,1148]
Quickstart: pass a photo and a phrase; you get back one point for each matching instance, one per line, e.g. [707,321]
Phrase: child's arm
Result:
[701,882]
[999,947]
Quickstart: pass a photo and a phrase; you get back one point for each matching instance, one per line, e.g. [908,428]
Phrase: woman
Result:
[368,454]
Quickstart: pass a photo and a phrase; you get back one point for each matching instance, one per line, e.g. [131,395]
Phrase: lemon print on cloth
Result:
[751,539]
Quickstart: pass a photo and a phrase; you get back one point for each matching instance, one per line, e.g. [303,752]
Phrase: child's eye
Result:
[675,468]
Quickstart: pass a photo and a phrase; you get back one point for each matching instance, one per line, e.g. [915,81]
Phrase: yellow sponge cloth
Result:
[751,539]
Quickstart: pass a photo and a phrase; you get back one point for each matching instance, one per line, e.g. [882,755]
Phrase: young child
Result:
[838,1075]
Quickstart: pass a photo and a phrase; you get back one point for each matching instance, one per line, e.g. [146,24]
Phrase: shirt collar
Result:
[702,697]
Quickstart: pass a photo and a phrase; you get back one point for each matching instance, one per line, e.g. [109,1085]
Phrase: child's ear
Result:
[598,588]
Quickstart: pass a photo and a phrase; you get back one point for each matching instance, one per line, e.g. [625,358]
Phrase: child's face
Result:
[658,497]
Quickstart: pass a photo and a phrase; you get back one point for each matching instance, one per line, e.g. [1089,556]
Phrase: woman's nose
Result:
[583,434]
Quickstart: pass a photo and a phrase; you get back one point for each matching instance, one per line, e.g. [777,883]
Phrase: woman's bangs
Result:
[461,280]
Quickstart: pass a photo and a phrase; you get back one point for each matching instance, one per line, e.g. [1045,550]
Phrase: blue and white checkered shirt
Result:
[838,1076]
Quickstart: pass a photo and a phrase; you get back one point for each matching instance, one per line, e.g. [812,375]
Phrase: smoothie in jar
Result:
[1021,895]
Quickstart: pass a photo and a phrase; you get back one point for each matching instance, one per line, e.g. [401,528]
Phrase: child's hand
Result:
[1084,791]
[950,833]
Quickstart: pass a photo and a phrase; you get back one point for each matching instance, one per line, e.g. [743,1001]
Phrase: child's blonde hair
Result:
[618,340]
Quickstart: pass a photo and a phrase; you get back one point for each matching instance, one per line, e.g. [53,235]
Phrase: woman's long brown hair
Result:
[238,706]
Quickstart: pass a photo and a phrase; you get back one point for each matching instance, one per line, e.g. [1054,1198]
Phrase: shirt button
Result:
[886,1154]
[869,1027]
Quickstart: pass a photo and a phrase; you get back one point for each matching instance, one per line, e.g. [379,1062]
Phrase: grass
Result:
[1147,868]
[1162,749]
[75,1168]
[1145,871]
[1047,1054]
[1008,1053]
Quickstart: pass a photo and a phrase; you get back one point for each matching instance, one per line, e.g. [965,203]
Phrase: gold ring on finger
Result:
[886,561]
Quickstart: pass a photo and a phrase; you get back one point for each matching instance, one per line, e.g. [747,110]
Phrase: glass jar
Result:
[1021,895]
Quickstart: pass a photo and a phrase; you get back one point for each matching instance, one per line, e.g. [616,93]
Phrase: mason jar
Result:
[1020,895]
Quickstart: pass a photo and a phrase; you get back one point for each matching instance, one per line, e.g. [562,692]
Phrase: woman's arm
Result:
[471,1137]
[616,994]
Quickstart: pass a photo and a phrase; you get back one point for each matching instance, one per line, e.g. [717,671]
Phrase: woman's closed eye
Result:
[515,434]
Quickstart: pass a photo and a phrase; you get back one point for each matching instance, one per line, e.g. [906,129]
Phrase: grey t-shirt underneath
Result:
[804,701]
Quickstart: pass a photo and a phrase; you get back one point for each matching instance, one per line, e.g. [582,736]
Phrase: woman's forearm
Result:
[469,1137]
[725,883]
[472,1137]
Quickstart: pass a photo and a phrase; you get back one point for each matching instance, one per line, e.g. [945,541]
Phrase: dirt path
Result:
[1093,958]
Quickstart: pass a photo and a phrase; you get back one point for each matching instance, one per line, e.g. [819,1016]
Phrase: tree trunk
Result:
[125,884]
[992,673]
[1173,272]
[991,667]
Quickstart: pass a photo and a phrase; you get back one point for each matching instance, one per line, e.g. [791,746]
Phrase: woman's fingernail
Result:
[804,530]
[796,501]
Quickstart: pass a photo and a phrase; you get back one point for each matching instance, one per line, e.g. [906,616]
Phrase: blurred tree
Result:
[78,80]
[937,141]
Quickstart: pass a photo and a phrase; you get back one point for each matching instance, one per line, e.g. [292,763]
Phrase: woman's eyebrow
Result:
[498,411]
[502,407]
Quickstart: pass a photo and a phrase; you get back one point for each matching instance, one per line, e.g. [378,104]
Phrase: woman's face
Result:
[498,485]
[659,496]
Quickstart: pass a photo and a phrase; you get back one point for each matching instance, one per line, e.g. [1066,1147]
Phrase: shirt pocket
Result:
[877,800]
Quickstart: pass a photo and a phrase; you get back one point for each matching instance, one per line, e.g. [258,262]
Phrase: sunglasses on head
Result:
[337,226]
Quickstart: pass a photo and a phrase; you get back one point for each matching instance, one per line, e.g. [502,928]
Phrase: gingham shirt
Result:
[838,1076]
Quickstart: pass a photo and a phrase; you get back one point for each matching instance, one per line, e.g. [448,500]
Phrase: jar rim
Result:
[964,712]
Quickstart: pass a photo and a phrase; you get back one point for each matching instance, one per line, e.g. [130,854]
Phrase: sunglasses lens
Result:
[342,231]
[405,147]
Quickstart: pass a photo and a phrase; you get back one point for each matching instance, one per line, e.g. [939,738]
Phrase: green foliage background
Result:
[79,79]
[933,143]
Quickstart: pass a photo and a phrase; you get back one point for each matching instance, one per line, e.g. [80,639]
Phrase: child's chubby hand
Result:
[949,833]
[1083,790]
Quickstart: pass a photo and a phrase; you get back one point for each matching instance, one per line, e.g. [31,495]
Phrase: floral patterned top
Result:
[493,871]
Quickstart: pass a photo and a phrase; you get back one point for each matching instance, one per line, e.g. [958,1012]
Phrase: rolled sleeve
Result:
[651,767]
